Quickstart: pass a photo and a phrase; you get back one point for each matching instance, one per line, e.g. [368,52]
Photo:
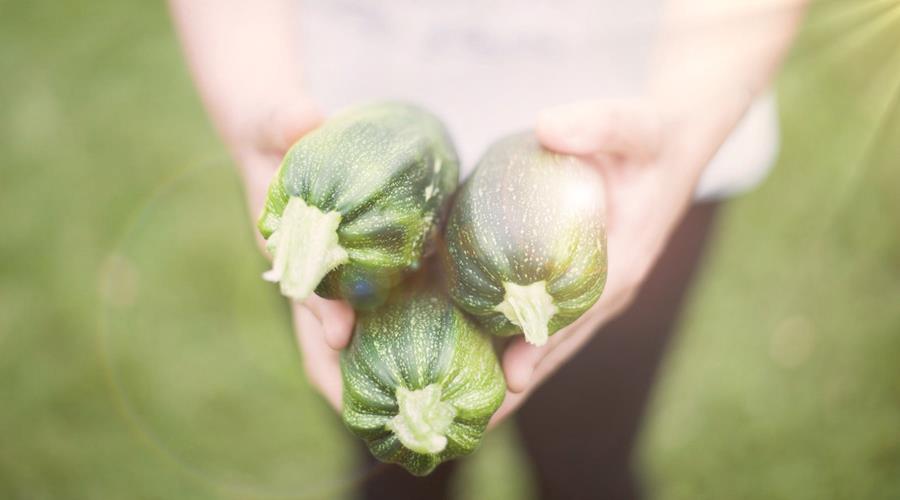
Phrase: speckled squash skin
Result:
[527,215]
[419,339]
[386,168]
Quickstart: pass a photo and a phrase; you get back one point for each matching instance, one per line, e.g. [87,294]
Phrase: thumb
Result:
[288,123]
[626,128]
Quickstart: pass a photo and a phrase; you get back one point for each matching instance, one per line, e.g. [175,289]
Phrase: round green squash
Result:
[526,240]
[420,382]
[356,201]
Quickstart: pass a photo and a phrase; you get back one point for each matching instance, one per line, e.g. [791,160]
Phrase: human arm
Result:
[712,59]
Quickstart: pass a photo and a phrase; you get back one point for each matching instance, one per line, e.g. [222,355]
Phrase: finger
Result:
[336,317]
[519,361]
[288,124]
[273,138]
[321,363]
[257,172]
[525,365]
[511,403]
[597,127]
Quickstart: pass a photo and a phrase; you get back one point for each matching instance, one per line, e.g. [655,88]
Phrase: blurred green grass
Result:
[785,381]
[142,357]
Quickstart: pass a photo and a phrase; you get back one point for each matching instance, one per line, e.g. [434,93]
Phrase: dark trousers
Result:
[579,428]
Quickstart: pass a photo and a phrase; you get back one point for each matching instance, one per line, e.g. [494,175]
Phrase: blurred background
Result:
[141,356]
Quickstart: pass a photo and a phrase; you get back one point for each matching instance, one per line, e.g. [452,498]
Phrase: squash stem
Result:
[422,420]
[530,308]
[304,248]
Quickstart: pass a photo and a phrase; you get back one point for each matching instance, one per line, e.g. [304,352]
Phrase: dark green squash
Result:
[420,381]
[356,201]
[526,240]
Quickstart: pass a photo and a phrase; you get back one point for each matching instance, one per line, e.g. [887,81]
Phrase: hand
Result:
[323,327]
[650,172]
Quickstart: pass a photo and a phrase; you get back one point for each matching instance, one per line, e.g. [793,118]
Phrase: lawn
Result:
[142,357]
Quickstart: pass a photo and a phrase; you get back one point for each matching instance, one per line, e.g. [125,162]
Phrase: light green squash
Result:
[356,202]
[420,381]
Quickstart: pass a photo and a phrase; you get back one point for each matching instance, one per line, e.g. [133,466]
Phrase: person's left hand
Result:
[650,171]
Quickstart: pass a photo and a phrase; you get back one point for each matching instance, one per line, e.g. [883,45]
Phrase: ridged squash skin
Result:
[418,342]
[380,173]
[533,218]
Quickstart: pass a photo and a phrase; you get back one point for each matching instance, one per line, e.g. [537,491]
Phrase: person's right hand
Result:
[651,166]
[323,327]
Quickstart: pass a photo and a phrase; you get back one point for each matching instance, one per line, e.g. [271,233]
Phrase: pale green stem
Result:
[422,420]
[304,248]
[530,308]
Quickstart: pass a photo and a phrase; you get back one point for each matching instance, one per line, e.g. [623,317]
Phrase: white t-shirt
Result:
[488,67]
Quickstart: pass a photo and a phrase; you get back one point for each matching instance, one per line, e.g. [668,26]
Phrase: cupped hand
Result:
[323,327]
[650,173]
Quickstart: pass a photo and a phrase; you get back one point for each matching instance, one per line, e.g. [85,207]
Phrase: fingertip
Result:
[555,129]
[286,125]
[320,362]
[337,319]
[569,129]
[297,119]
[624,127]
[519,362]
[561,116]
[338,334]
